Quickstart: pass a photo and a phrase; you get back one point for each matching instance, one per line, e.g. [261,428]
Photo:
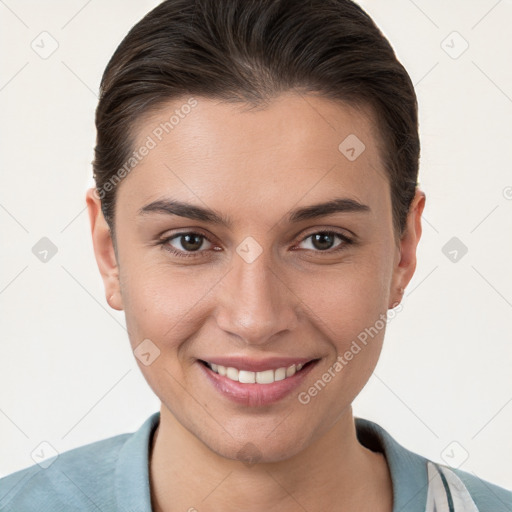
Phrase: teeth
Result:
[247,377]
[232,373]
[266,377]
[280,374]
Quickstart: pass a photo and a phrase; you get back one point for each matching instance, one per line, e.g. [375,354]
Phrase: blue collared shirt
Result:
[112,475]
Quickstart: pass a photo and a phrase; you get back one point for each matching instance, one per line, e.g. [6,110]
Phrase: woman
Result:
[256,215]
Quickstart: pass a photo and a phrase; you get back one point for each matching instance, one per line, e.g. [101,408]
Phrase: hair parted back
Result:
[250,51]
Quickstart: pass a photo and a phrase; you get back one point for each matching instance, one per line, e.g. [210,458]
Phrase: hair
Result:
[250,51]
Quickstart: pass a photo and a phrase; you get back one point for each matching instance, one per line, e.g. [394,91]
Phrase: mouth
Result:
[256,383]
[268,376]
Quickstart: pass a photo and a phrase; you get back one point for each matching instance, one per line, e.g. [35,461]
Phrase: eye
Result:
[186,244]
[324,241]
[192,244]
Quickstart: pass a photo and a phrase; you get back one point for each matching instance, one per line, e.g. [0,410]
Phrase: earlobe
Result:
[406,265]
[396,298]
[104,250]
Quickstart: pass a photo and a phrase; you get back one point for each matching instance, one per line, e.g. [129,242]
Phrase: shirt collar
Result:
[408,470]
[132,469]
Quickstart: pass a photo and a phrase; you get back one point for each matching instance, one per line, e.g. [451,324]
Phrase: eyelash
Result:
[184,254]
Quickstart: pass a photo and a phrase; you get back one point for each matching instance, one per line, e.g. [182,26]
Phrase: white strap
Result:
[446,492]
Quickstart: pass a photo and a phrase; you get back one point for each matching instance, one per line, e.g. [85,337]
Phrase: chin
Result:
[259,451]
[257,444]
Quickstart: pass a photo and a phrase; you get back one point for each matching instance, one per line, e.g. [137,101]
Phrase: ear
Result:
[104,250]
[406,261]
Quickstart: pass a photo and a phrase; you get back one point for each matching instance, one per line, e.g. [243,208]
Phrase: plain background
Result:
[443,385]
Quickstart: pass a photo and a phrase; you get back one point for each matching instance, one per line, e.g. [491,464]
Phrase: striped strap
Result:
[446,492]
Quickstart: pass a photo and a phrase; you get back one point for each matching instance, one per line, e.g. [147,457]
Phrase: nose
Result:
[255,303]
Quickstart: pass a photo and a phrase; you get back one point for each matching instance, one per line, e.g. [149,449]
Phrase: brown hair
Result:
[249,51]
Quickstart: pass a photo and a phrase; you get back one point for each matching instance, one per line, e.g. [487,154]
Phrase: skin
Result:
[295,299]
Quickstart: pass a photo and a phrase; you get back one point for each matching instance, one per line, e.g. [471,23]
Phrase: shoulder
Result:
[488,497]
[420,484]
[77,478]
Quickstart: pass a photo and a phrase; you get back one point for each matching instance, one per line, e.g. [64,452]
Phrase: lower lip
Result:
[256,395]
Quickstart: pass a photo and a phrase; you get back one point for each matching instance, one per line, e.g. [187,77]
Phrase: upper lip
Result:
[257,365]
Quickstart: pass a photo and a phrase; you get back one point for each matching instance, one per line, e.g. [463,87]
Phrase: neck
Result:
[334,472]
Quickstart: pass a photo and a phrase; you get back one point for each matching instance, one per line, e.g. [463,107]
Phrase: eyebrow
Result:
[182,209]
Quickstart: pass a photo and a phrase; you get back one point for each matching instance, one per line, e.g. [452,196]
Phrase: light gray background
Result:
[67,374]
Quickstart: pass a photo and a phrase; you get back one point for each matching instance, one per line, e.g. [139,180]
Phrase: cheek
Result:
[347,298]
[164,304]
[348,306]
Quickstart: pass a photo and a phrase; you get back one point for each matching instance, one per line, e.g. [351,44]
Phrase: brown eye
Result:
[323,241]
[187,242]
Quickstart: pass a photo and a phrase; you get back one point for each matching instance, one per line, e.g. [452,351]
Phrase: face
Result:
[226,259]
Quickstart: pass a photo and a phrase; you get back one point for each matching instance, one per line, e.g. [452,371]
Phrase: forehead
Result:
[297,149]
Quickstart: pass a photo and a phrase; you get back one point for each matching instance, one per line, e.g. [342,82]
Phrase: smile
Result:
[256,383]
[262,377]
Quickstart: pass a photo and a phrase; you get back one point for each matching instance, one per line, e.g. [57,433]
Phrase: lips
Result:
[256,382]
